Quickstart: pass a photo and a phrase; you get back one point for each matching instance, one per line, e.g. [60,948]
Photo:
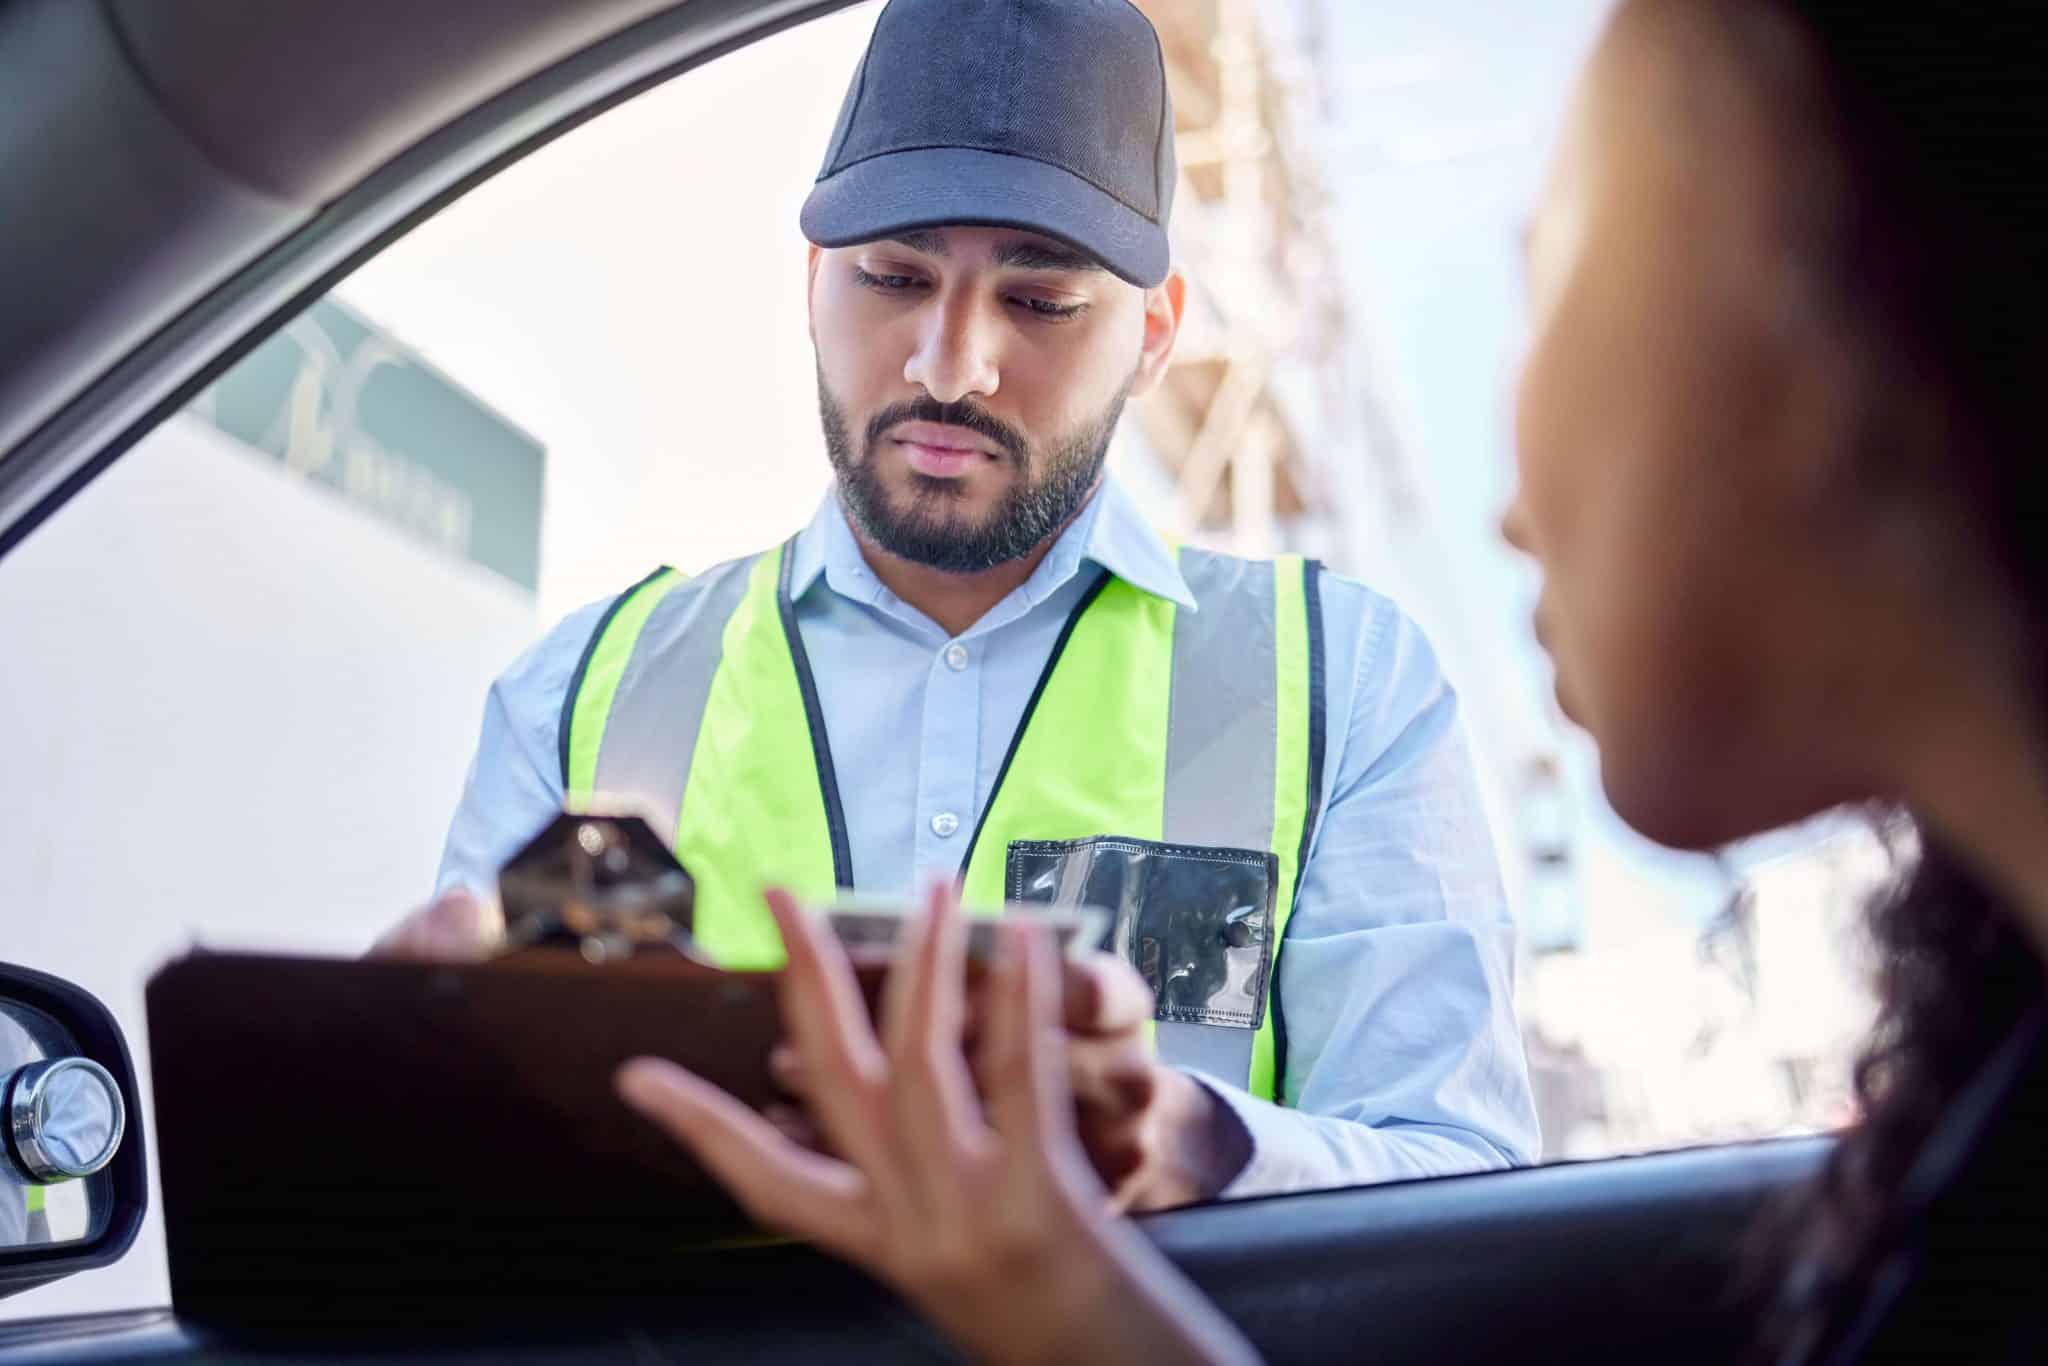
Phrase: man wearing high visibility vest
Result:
[977,661]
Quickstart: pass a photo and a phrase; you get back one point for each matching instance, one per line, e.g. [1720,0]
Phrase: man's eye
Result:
[887,284]
[1055,312]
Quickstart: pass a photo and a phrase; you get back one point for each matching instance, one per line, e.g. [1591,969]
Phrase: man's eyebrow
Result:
[923,241]
[1043,256]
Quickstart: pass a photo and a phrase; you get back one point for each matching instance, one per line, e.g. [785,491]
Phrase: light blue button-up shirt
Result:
[1403,1055]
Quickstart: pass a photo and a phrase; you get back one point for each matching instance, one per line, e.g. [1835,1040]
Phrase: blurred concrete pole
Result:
[1217,431]
[1214,451]
[1250,449]
[1251,489]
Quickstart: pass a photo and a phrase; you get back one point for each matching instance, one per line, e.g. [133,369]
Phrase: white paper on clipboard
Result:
[874,925]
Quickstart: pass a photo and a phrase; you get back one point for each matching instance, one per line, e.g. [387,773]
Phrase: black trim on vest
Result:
[1318,739]
[1017,740]
[814,714]
[604,623]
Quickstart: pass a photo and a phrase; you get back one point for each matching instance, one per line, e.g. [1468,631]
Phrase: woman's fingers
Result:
[923,1014]
[828,1028]
[1024,1066]
[793,1124]
[903,979]
[779,1184]
[932,1198]
[786,1070]
[826,998]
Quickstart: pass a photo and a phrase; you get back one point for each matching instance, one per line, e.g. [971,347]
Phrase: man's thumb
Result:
[457,927]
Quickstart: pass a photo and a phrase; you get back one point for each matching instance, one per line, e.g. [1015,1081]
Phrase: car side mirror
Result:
[73,1181]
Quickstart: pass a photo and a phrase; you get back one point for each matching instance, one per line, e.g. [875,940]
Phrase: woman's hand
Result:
[1156,1137]
[982,1212]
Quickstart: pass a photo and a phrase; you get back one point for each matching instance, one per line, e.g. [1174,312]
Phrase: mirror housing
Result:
[94,1036]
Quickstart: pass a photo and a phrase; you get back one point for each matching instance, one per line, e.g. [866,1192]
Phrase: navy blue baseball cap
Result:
[1050,116]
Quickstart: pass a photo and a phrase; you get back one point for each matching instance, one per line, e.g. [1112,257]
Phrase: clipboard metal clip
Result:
[601,883]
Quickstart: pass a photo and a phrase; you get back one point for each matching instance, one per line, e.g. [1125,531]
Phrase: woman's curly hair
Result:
[1956,977]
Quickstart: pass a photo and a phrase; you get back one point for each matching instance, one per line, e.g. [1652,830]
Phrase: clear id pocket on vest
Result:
[1195,922]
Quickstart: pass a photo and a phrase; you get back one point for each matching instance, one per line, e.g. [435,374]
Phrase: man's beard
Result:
[1031,513]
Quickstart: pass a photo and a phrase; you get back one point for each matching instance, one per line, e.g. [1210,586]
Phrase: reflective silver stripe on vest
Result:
[1222,730]
[1223,715]
[651,735]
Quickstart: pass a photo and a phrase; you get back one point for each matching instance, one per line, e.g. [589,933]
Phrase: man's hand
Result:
[1157,1137]
[455,928]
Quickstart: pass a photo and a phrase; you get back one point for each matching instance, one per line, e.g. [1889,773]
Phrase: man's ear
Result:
[1165,305]
[811,263]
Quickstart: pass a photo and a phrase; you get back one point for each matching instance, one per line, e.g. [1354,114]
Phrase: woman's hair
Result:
[1956,976]
[1935,122]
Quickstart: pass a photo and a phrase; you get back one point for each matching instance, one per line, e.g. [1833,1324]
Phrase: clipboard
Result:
[342,1140]
[345,1141]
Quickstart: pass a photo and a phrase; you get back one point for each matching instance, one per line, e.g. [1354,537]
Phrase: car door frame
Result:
[1276,1263]
[278,257]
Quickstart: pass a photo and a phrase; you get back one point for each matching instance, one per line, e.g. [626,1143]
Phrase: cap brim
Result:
[937,187]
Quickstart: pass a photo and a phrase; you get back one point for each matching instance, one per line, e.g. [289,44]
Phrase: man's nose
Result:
[955,355]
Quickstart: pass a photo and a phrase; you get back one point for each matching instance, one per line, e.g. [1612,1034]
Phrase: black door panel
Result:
[1624,1260]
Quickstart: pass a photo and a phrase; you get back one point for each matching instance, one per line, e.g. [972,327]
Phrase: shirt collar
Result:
[1123,542]
[1110,532]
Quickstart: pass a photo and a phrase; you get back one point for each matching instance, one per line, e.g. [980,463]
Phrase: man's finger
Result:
[458,927]
[1119,1159]
[778,1183]
[1114,1075]
[1102,994]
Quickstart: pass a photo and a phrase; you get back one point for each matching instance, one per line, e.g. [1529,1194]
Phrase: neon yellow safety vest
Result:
[36,1230]
[1169,766]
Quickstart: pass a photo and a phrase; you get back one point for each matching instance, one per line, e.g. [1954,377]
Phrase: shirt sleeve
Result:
[514,785]
[1404,1058]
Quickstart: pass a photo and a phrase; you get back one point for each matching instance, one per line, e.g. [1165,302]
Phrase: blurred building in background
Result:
[1745,1028]
[1280,430]
[1260,399]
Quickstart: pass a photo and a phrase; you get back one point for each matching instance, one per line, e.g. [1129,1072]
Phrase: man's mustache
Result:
[959,414]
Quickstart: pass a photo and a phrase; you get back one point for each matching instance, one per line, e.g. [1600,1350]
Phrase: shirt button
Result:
[945,825]
[956,656]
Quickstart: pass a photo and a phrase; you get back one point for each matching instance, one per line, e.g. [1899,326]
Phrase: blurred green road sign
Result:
[338,401]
